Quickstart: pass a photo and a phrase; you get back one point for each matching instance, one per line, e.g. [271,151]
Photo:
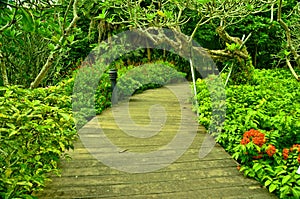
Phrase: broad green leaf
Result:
[268,182]
[28,19]
[285,179]
[71,38]
[25,183]
[256,167]
[296,192]
[272,187]
[65,116]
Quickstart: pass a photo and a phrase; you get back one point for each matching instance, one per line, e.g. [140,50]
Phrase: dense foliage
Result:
[130,80]
[36,127]
[43,43]
[145,77]
[59,35]
[271,106]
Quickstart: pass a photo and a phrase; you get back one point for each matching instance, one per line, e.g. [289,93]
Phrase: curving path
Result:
[145,164]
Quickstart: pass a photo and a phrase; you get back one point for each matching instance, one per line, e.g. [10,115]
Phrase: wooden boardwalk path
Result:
[214,176]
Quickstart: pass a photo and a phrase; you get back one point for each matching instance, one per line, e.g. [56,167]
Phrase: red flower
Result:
[285,153]
[245,141]
[295,147]
[257,137]
[257,157]
[298,158]
[271,150]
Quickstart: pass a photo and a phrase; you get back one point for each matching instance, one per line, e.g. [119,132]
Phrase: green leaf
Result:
[281,172]
[268,182]
[13,133]
[62,146]
[51,46]
[28,19]
[285,179]
[24,183]
[286,53]
[8,172]
[272,187]
[71,38]
[12,126]
[102,15]
[235,156]
[296,192]
[284,191]
[65,116]
[256,167]
[55,39]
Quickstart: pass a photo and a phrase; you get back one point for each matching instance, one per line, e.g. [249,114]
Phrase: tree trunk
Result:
[148,52]
[44,70]
[4,73]
[289,41]
[58,46]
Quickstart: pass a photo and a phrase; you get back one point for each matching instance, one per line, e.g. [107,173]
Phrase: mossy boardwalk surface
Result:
[153,119]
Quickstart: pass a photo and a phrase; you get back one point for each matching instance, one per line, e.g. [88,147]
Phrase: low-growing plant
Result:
[93,94]
[262,123]
[276,169]
[36,128]
[153,75]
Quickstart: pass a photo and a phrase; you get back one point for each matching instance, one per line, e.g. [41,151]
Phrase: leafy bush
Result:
[36,128]
[270,106]
[136,79]
[91,94]
[92,97]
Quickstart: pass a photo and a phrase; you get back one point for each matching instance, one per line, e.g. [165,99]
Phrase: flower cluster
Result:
[271,150]
[294,148]
[257,137]
[285,153]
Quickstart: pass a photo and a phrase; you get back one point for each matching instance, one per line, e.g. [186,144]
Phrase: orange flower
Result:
[271,150]
[245,141]
[257,137]
[257,157]
[295,147]
[285,153]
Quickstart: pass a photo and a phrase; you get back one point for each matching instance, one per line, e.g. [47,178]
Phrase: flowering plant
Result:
[253,146]
[274,168]
[292,154]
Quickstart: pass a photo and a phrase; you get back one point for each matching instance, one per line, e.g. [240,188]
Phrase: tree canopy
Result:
[42,40]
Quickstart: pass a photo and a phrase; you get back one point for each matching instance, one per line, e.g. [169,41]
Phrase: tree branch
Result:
[54,52]
[12,21]
[292,69]
[288,34]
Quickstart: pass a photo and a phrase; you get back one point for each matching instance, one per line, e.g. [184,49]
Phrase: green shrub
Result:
[270,104]
[36,128]
[92,97]
[136,79]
